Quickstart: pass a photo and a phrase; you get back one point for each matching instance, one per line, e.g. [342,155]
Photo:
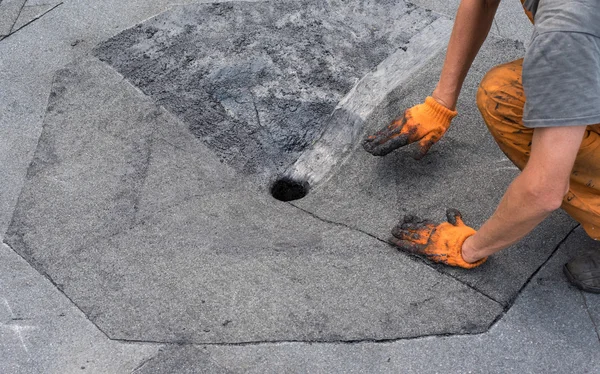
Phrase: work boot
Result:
[584,272]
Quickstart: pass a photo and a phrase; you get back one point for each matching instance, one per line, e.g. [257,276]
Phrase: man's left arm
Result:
[533,195]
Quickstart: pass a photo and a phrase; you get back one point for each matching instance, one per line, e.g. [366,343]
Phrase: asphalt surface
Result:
[138,144]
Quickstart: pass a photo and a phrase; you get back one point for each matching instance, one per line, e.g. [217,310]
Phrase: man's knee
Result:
[500,100]
[500,97]
[501,85]
[488,88]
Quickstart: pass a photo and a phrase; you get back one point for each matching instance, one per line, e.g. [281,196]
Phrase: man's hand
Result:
[439,243]
[424,123]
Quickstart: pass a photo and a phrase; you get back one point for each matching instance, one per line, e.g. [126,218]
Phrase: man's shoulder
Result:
[566,15]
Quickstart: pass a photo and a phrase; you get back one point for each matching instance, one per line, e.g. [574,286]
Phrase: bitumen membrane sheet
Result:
[147,204]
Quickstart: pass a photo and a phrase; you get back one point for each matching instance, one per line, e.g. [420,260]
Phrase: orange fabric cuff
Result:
[438,112]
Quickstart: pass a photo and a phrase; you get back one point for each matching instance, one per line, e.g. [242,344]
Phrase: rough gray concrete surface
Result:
[31,13]
[29,60]
[41,331]
[16,14]
[196,253]
[548,330]
[511,22]
[257,82]
[9,12]
[183,360]
[106,188]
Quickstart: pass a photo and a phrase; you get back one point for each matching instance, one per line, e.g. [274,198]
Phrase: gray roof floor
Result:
[138,141]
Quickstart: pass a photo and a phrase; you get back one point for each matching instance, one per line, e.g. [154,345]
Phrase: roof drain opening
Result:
[287,189]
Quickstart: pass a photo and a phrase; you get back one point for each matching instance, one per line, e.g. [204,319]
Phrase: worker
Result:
[543,111]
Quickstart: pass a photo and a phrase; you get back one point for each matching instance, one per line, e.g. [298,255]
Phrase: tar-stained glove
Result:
[424,123]
[439,243]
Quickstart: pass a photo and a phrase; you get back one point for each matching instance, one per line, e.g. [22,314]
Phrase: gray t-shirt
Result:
[565,15]
[561,69]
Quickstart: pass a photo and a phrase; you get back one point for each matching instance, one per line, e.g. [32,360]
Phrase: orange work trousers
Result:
[500,99]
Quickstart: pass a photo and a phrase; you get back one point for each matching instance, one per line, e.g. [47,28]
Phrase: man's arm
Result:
[426,123]
[533,195]
[474,19]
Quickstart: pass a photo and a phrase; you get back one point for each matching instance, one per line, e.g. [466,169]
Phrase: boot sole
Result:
[574,281]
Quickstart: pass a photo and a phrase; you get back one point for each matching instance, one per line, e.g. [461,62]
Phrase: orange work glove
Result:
[425,123]
[439,243]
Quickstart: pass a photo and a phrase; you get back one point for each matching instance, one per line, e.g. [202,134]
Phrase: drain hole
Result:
[286,189]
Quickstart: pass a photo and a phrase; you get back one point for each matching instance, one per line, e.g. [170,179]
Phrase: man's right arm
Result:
[426,123]
[474,19]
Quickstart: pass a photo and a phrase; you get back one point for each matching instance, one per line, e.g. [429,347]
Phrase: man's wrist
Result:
[446,99]
[468,252]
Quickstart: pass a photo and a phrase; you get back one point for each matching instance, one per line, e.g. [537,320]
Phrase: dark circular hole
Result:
[286,189]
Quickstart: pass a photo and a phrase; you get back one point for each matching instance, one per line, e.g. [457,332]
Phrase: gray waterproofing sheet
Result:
[199,251]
